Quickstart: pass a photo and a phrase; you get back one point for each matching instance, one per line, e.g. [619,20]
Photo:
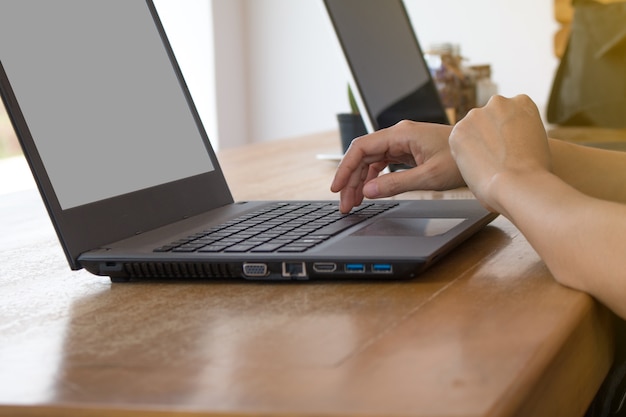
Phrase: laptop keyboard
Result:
[283,227]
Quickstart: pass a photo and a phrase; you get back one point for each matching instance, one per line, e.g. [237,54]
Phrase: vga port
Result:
[255,269]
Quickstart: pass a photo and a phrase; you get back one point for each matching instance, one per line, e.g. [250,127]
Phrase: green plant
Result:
[353,106]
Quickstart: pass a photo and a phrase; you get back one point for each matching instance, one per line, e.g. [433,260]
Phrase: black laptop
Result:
[133,187]
[387,70]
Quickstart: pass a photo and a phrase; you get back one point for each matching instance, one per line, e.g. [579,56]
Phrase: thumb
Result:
[394,183]
[439,173]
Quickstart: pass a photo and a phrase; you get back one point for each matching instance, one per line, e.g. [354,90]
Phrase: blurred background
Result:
[262,70]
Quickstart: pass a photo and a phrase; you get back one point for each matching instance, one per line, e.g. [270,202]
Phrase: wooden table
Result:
[486,332]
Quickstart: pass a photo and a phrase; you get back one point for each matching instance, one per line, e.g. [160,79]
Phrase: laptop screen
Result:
[105,119]
[100,97]
[386,62]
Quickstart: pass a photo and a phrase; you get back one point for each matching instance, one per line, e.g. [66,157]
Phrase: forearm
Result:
[595,172]
[581,239]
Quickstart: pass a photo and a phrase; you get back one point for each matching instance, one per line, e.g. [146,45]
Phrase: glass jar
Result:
[453,80]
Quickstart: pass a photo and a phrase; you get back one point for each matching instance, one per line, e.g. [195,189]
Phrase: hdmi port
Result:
[324,267]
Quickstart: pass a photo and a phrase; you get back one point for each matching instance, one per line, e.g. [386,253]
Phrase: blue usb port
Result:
[354,268]
[382,268]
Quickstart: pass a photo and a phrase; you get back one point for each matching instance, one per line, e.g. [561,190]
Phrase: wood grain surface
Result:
[485,332]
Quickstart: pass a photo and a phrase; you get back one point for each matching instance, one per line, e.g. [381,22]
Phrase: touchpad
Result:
[420,227]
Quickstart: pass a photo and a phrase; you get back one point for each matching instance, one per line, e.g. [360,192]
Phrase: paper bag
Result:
[589,87]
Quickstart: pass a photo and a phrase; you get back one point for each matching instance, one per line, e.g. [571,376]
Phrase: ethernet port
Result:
[294,270]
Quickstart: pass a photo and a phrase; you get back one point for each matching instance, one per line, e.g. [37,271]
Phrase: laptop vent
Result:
[179,270]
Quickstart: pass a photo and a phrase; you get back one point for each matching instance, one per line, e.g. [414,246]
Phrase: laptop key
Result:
[340,225]
[166,248]
[239,248]
[293,248]
[213,248]
[267,247]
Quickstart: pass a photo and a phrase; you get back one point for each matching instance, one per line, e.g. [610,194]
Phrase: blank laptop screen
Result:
[386,61]
[100,97]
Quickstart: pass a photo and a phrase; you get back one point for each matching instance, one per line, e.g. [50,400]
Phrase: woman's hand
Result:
[423,146]
[504,138]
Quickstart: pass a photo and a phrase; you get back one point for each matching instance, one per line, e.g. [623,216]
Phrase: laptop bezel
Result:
[92,225]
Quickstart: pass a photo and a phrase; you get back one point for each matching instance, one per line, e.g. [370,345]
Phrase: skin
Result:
[568,200]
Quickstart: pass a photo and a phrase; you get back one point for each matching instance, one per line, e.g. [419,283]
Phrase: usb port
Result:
[354,268]
[382,268]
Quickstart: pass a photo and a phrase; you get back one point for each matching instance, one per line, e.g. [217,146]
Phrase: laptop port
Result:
[324,267]
[382,268]
[255,269]
[354,268]
[294,270]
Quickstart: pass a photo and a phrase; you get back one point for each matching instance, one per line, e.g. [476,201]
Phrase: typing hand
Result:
[423,146]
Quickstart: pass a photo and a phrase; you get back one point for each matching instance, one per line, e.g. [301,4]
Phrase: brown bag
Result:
[589,87]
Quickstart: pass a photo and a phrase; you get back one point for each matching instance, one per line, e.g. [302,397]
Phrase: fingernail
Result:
[370,190]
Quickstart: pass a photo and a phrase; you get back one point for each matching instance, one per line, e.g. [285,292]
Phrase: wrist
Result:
[511,191]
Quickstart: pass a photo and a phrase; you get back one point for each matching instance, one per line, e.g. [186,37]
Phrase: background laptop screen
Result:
[81,126]
[386,61]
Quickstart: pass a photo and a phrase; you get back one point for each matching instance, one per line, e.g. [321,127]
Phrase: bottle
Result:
[485,87]
[453,80]
[439,59]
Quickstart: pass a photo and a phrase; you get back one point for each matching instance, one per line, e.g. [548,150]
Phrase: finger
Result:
[366,150]
[352,194]
[350,168]
[350,198]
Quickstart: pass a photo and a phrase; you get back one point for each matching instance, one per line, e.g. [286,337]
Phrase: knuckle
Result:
[471,114]
[356,142]
[404,123]
[404,126]
[497,99]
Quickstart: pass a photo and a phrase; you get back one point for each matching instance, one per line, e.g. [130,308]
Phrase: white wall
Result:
[277,71]
[296,80]
[232,71]
[514,37]
[296,73]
